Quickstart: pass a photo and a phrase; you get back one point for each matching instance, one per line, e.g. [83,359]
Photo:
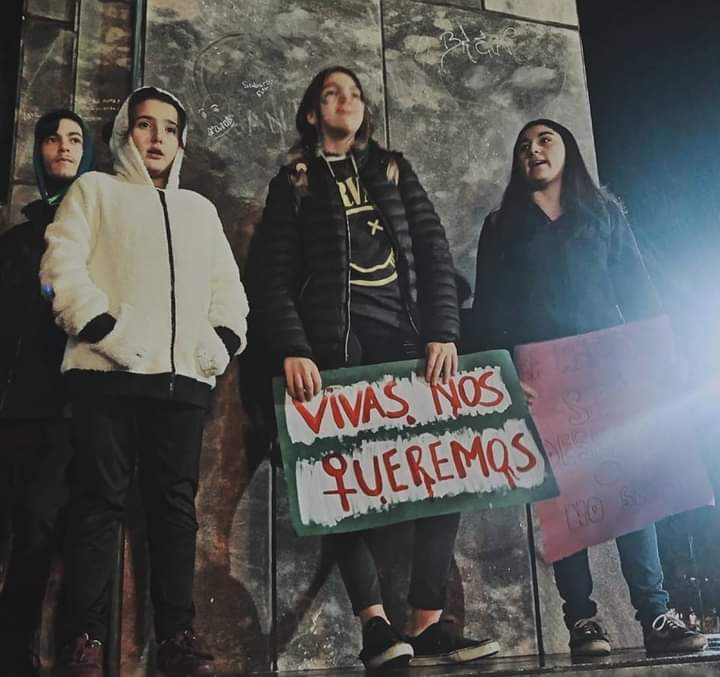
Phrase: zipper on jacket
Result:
[304,287]
[348,245]
[171,260]
[348,241]
[396,245]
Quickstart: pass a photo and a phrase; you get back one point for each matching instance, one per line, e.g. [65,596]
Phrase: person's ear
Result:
[311,117]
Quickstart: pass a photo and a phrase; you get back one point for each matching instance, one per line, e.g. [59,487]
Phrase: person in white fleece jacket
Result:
[144,283]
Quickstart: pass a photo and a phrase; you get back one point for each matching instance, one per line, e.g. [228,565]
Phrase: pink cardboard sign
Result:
[617,425]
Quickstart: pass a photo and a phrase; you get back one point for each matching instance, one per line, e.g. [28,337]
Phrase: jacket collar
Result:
[39,212]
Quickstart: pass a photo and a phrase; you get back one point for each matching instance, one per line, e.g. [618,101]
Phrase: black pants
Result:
[34,455]
[432,554]
[112,436]
[434,539]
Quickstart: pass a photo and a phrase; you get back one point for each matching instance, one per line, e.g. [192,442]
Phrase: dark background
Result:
[10,26]
[653,70]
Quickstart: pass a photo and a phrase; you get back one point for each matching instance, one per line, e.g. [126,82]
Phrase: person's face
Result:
[155,134]
[341,107]
[541,155]
[62,151]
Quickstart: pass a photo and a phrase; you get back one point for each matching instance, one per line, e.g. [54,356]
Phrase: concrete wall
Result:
[451,85]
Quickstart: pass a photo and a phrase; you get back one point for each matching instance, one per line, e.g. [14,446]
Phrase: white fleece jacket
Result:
[111,250]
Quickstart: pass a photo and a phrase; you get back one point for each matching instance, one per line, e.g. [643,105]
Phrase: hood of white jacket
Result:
[127,162]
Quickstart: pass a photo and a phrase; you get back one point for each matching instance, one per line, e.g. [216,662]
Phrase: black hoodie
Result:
[31,345]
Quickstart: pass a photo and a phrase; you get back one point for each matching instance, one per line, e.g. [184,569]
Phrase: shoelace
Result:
[668,621]
[589,627]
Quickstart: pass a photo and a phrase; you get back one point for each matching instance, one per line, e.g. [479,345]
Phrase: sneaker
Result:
[83,657]
[17,658]
[443,644]
[589,638]
[668,634]
[383,646]
[184,656]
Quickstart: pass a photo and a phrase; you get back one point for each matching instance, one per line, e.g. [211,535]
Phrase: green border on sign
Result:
[400,512]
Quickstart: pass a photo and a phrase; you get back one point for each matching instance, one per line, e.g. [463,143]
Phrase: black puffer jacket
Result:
[538,280]
[303,292]
[31,345]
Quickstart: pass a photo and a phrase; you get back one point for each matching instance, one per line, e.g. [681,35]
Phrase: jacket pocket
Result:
[125,346]
[211,355]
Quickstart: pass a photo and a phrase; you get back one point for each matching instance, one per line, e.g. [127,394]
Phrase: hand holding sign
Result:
[302,378]
[613,415]
[442,360]
[380,444]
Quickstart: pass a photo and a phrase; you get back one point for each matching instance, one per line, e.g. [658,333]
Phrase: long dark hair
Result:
[580,197]
[310,103]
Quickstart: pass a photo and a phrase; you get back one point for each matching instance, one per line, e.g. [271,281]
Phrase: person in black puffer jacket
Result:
[352,267]
[34,446]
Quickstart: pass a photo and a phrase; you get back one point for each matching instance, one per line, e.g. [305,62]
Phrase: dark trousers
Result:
[112,436]
[641,568]
[34,455]
[432,554]
[434,536]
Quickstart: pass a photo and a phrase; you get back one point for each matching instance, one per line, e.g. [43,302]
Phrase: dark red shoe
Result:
[184,656]
[83,657]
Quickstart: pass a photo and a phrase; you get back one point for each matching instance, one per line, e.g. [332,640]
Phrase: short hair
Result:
[48,124]
[310,103]
[153,93]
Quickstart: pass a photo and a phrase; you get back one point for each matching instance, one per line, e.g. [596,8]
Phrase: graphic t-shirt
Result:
[374,290]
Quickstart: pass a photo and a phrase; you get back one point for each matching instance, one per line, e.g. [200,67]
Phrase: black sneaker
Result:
[184,656]
[443,644]
[668,634]
[383,646]
[589,638]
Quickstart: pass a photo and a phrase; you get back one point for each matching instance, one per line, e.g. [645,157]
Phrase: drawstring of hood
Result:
[127,161]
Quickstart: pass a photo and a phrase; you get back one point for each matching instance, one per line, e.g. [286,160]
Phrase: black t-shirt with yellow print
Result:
[375,297]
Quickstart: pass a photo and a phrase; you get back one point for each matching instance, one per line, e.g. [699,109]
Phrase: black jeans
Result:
[433,546]
[641,568]
[434,539]
[34,456]
[112,436]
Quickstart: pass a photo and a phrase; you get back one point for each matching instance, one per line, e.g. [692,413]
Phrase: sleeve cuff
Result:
[98,328]
[231,340]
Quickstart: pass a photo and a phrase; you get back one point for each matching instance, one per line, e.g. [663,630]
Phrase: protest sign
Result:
[616,421]
[380,445]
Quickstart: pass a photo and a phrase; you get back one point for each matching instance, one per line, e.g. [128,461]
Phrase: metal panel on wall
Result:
[240,69]
[46,83]
[461,82]
[460,85]
[103,68]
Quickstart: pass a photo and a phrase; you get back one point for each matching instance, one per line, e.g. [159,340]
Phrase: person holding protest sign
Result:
[558,259]
[355,269]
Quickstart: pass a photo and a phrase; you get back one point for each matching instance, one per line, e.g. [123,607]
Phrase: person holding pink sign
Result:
[557,259]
